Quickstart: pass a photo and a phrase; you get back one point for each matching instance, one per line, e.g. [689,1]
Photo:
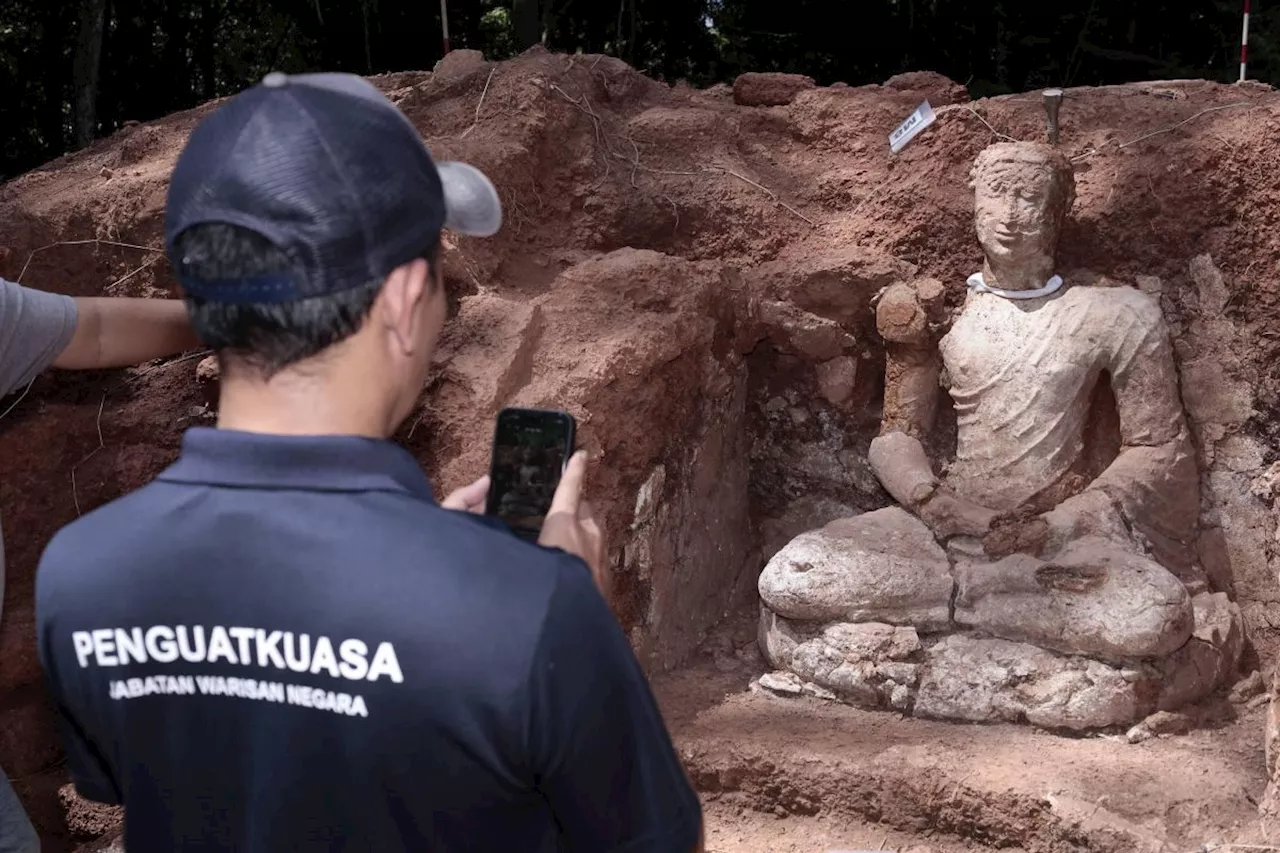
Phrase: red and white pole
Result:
[1244,42]
[444,23]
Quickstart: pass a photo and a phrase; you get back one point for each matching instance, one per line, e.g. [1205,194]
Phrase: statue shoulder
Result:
[1138,309]
[1143,308]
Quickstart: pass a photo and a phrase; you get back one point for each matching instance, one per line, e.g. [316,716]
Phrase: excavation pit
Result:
[694,279]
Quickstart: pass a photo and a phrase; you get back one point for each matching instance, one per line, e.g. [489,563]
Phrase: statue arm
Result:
[912,368]
[908,317]
[1153,483]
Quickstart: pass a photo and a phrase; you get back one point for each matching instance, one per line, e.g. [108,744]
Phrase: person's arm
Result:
[599,751]
[35,326]
[119,331]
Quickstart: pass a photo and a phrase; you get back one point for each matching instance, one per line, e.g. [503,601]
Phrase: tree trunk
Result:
[85,66]
[177,71]
[528,23]
[206,51]
[53,131]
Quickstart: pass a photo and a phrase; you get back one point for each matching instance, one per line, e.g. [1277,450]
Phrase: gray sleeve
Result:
[35,327]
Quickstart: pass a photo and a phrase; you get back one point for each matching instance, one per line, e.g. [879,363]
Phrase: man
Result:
[284,643]
[39,330]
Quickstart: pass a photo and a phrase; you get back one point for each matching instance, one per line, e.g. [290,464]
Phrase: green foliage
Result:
[497,34]
[159,56]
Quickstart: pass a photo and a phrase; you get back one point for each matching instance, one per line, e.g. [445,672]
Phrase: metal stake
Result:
[1052,102]
[1244,42]
[444,24]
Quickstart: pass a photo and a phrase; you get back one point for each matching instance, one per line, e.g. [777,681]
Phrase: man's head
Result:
[304,220]
[1022,194]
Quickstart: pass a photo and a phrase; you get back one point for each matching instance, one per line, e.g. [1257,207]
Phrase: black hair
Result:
[267,337]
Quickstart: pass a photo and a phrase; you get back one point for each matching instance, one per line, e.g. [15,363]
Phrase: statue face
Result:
[1016,212]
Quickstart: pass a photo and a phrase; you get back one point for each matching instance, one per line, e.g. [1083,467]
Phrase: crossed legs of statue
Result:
[845,608]
[1094,599]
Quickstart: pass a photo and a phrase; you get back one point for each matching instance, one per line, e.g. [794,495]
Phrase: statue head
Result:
[1022,194]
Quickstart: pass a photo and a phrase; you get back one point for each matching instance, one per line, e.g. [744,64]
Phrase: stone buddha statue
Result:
[1046,570]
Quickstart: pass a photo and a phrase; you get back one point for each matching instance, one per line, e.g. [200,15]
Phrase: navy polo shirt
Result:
[284,643]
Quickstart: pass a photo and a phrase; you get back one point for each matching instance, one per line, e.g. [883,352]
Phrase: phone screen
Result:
[530,448]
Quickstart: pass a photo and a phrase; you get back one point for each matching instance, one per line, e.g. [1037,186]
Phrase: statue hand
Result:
[1018,532]
[1090,513]
[949,515]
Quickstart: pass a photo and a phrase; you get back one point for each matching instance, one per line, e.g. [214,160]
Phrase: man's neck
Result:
[291,406]
[1017,276]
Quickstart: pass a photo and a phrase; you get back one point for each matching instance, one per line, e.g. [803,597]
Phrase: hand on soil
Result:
[571,527]
[469,498]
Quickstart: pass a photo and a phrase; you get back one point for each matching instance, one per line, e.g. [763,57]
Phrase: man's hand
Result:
[948,515]
[469,498]
[570,526]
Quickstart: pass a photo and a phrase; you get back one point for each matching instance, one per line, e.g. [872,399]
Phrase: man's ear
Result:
[400,303]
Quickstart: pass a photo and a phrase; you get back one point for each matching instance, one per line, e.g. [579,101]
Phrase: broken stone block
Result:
[882,566]
[795,330]
[1209,658]
[872,665]
[1247,688]
[872,641]
[457,64]
[837,379]
[986,680]
[208,370]
[837,282]
[1139,734]
[1160,723]
[769,89]
[819,692]
[782,683]
[940,90]
[1168,723]
[1094,599]
[1266,485]
[777,639]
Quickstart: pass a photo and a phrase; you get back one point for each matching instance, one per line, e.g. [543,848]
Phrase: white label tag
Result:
[909,129]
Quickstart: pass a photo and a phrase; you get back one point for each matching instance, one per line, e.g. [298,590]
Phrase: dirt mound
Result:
[692,278]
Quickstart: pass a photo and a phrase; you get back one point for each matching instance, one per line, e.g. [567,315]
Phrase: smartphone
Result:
[530,449]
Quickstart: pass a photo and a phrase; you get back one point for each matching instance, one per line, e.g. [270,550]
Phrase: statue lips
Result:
[1013,241]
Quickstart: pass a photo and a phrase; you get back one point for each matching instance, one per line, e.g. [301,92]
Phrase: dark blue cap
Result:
[333,174]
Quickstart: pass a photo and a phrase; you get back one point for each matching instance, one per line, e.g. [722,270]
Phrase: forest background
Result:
[72,71]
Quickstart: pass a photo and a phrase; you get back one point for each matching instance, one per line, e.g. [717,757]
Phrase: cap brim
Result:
[472,206]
